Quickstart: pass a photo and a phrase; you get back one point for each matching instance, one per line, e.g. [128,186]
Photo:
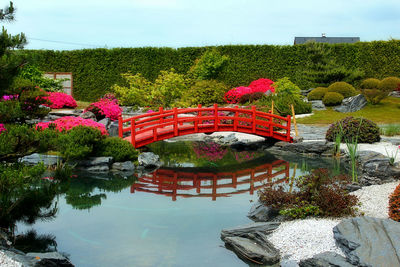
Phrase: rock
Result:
[228,140]
[98,168]
[317,105]
[305,92]
[113,129]
[261,213]
[95,161]
[256,249]
[368,241]
[309,148]
[88,115]
[352,104]
[78,111]
[49,259]
[395,94]
[63,113]
[245,230]
[149,160]
[326,259]
[353,187]
[123,166]
[106,122]
[35,158]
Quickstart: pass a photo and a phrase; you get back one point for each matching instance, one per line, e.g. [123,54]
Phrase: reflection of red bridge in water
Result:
[170,182]
[164,124]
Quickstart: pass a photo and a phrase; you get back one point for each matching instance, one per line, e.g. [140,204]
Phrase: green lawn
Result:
[388,111]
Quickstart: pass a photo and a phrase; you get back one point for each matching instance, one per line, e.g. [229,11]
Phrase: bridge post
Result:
[253,109]
[216,117]
[271,127]
[120,125]
[175,122]
[133,132]
[288,119]
[235,119]
[200,121]
[161,110]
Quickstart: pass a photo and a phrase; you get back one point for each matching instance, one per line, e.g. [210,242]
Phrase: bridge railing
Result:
[207,119]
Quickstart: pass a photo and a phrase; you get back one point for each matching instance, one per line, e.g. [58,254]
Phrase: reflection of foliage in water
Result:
[246,155]
[31,241]
[209,151]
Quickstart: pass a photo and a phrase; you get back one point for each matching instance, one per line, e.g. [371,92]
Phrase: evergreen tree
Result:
[9,61]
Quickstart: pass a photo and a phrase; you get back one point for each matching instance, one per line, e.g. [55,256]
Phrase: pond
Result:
[170,217]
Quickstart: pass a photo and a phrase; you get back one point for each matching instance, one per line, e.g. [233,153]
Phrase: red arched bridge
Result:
[175,184]
[164,124]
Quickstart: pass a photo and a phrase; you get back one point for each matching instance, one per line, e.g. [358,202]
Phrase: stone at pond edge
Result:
[113,129]
[368,241]
[49,259]
[149,159]
[313,148]
[94,164]
[352,104]
[123,166]
[35,158]
[106,122]
[88,115]
[326,259]
[261,213]
[245,230]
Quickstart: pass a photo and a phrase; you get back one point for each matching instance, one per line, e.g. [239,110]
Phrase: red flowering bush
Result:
[67,123]
[60,100]
[2,128]
[262,85]
[105,108]
[233,95]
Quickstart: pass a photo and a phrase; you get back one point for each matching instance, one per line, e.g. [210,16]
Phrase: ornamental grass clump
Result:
[319,195]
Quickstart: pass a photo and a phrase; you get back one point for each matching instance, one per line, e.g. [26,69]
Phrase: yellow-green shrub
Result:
[389,84]
[137,92]
[317,93]
[167,88]
[343,88]
[206,92]
[374,96]
[332,99]
[370,83]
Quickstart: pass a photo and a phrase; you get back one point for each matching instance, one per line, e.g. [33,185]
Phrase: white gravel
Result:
[6,261]
[301,239]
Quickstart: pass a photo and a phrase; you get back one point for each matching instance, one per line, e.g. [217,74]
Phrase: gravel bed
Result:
[6,261]
[302,239]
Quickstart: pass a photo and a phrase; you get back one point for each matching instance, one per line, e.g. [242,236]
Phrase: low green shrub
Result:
[17,141]
[343,88]
[282,104]
[32,101]
[332,99]
[167,89]
[389,84]
[370,83]
[135,94]
[10,111]
[208,65]
[48,139]
[119,149]
[79,142]
[317,93]
[250,98]
[375,96]
[206,92]
[350,128]
[285,87]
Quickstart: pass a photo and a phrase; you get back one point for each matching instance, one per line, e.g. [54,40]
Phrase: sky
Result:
[78,24]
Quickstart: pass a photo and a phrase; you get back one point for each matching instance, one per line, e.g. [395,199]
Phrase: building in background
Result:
[324,39]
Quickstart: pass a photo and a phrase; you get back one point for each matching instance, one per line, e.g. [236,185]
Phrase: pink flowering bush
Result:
[2,128]
[67,123]
[233,95]
[105,108]
[8,97]
[261,85]
[60,100]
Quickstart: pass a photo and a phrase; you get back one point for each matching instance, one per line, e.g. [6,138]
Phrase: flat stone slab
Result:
[245,230]
[368,241]
[326,259]
[35,158]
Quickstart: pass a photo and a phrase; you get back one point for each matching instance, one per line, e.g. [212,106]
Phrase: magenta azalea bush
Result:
[67,123]
[105,108]
[8,97]
[261,85]
[2,128]
[60,100]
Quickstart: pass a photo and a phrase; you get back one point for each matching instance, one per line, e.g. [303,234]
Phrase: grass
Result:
[386,112]
[82,104]
[390,130]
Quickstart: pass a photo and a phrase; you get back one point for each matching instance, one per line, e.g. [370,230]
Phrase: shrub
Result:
[105,108]
[167,88]
[286,87]
[317,93]
[233,95]
[366,130]
[208,65]
[389,84]
[343,88]
[68,123]
[207,92]
[48,139]
[137,92]
[375,96]
[249,98]
[370,83]
[394,205]
[282,104]
[119,149]
[318,195]
[78,142]
[60,100]
[10,111]
[332,99]
[33,103]
[2,128]
[17,141]
[262,85]
[34,75]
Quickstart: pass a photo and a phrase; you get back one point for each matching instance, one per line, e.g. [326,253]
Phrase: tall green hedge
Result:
[95,70]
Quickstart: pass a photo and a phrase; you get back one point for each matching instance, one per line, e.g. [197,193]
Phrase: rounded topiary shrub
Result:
[365,130]
[317,93]
[343,88]
[118,148]
[370,83]
[332,99]
[207,92]
[389,84]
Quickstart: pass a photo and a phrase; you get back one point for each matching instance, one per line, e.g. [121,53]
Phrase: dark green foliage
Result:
[119,149]
[370,83]
[389,84]
[48,140]
[32,241]
[317,93]
[366,130]
[10,111]
[79,142]
[96,70]
[332,99]
[35,76]
[17,141]
[31,99]
[282,104]
[206,92]
[319,194]
[343,88]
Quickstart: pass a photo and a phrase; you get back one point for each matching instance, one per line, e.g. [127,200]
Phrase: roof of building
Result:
[329,40]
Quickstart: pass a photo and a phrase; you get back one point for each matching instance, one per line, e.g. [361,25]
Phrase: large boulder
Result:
[106,122]
[95,164]
[317,105]
[261,213]
[113,129]
[326,259]
[368,241]
[88,115]
[149,160]
[49,259]
[35,158]
[126,166]
[352,104]
[315,148]
[245,230]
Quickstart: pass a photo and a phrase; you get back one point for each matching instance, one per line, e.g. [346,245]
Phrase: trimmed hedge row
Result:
[95,70]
